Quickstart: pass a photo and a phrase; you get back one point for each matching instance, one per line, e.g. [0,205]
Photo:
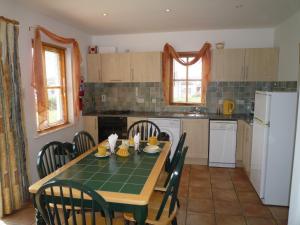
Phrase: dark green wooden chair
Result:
[170,165]
[162,208]
[51,157]
[83,141]
[71,203]
[146,129]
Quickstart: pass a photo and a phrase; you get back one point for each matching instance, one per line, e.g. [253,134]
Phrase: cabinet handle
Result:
[243,73]
[115,80]
[131,74]
[100,75]
[247,70]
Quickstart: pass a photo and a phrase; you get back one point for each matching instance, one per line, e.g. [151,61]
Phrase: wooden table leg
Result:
[140,214]
[38,216]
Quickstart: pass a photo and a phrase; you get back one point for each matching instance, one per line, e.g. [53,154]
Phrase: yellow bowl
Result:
[152,140]
[101,150]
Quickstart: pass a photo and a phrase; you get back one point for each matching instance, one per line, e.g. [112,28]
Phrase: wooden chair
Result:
[162,207]
[83,141]
[70,203]
[170,166]
[146,129]
[51,157]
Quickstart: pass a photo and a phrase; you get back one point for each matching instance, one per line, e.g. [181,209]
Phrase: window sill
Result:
[54,130]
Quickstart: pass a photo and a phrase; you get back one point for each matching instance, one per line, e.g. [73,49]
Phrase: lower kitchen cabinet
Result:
[244,145]
[197,140]
[90,124]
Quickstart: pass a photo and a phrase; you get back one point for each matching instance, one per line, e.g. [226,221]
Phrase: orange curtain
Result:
[38,79]
[170,54]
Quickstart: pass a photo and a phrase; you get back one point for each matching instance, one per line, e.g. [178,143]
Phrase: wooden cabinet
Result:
[261,64]
[131,120]
[90,124]
[196,140]
[146,66]
[250,64]
[93,68]
[244,145]
[115,67]
[228,64]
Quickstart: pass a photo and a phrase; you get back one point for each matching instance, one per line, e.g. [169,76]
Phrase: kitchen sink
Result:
[196,115]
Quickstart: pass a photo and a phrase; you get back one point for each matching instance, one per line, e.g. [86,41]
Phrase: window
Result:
[55,77]
[187,81]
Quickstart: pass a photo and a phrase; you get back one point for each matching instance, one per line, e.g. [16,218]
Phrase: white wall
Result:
[188,40]
[27,18]
[287,38]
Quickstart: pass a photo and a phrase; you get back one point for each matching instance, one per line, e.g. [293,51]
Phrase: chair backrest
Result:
[172,189]
[78,203]
[146,129]
[171,165]
[51,157]
[83,141]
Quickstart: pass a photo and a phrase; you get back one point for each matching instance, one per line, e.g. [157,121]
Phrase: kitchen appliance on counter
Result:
[170,126]
[222,143]
[108,125]
[273,145]
[228,107]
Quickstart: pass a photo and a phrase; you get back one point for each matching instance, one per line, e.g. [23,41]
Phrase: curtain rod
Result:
[9,20]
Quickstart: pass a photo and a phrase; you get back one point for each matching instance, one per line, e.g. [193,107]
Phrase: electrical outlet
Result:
[136,92]
[153,100]
[103,98]
[220,101]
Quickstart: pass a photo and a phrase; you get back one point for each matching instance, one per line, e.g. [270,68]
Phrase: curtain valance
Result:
[169,54]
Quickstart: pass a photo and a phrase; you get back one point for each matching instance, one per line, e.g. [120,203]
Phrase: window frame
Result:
[63,86]
[182,54]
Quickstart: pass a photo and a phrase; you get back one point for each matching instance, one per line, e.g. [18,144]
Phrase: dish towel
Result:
[112,140]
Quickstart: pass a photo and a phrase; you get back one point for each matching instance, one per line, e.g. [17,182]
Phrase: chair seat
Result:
[99,220]
[153,207]
[162,179]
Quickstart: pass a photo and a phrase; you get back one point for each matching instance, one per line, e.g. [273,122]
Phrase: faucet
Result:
[199,109]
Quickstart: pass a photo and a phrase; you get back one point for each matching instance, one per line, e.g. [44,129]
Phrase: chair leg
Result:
[126,222]
[174,221]
[178,204]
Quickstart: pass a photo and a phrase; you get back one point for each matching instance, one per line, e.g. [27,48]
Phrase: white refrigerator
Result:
[273,145]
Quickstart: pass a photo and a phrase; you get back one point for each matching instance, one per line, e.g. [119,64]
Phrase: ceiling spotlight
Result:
[167,10]
[105,14]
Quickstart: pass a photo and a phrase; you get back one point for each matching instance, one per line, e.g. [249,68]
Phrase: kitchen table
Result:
[125,182]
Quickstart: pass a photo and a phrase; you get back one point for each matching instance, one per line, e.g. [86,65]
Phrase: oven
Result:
[108,125]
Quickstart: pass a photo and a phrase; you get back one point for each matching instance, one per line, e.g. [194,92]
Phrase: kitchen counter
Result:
[180,115]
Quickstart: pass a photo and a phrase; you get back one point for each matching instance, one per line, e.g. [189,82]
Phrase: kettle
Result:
[228,107]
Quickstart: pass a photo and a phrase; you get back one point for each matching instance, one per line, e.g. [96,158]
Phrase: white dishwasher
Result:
[222,143]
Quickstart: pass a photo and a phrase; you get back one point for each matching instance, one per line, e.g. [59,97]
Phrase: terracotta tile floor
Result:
[208,196]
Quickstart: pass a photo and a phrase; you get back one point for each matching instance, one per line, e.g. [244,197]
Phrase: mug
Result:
[152,140]
[101,150]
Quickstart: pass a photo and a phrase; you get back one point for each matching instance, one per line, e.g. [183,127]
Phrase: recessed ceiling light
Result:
[167,10]
[105,14]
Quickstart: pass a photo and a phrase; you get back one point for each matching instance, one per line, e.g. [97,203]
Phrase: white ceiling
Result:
[140,16]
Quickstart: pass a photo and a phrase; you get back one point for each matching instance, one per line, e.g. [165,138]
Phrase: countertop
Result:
[180,115]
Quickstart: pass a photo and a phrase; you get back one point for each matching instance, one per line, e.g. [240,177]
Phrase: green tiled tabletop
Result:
[114,173]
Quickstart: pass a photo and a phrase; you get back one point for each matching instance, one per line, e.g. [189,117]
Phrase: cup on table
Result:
[152,140]
[101,150]
[131,141]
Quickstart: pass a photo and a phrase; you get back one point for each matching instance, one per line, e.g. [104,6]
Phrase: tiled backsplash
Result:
[149,96]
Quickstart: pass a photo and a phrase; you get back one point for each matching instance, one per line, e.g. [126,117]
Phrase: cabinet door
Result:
[240,140]
[197,140]
[93,68]
[217,61]
[234,64]
[131,120]
[115,67]
[261,64]
[146,66]
[90,124]
[228,65]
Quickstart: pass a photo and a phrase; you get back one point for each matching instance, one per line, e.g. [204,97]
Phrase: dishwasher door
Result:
[222,143]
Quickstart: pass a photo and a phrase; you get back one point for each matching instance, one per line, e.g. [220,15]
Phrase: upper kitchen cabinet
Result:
[251,64]
[93,68]
[227,64]
[261,64]
[146,66]
[115,67]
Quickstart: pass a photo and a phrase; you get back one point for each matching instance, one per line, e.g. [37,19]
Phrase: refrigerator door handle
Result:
[262,122]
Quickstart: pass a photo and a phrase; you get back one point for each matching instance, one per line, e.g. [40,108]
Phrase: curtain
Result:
[13,143]
[169,54]
[38,81]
